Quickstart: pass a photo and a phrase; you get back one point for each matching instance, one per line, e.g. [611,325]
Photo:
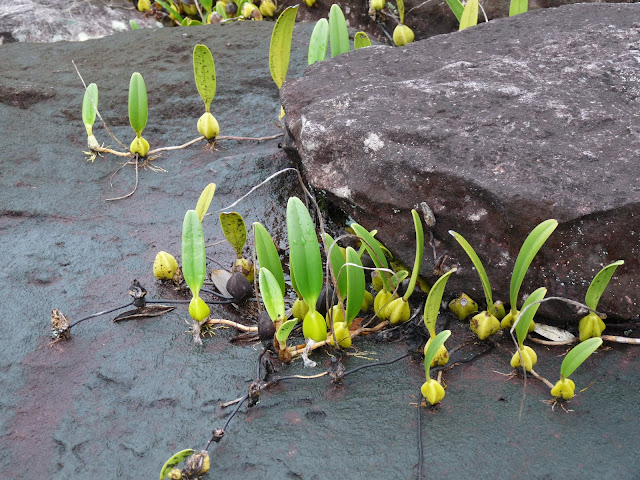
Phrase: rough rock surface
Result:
[497,128]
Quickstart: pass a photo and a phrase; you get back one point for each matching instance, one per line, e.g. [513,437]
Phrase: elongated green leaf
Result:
[434,346]
[372,246]
[207,5]
[400,5]
[525,318]
[319,42]
[469,15]
[267,253]
[134,25]
[434,300]
[305,260]
[528,251]
[599,284]
[234,229]
[398,278]
[271,295]
[204,71]
[138,108]
[417,263]
[355,284]
[578,355]
[285,330]
[194,257]
[338,32]
[205,200]
[486,286]
[169,8]
[457,8]
[88,108]
[220,10]
[337,261]
[361,40]
[174,461]
[280,47]
[516,7]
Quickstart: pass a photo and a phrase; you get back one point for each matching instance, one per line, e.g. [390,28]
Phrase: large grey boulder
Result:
[496,128]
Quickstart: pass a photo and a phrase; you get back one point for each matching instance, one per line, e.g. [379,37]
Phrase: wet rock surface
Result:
[496,128]
[116,400]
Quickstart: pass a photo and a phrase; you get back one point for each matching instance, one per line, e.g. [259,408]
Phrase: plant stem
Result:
[541,378]
[100,313]
[222,321]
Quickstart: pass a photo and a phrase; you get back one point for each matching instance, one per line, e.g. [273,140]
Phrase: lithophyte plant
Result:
[194,263]
[204,71]
[338,33]
[565,388]
[196,464]
[516,7]
[592,324]
[525,356]
[431,389]
[469,17]
[235,231]
[280,47]
[138,113]
[361,40]
[89,110]
[402,34]
[431,309]
[267,254]
[319,42]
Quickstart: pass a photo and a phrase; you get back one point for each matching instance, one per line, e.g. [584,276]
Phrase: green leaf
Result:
[285,330]
[305,261]
[355,284]
[486,286]
[524,319]
[578,355]
[134,25]
[205,200]
[529,249]
[469,15]
[175,461]
[516,7]
[599,284]
[194,257]
[171,10]
[372,246]
[138,109]
[338,32]
[361,40]
[399,276]
[319,42]
[400,6]
[434,346]
[207,5]
[204,71]
[267,254]
[457,8]
[220,10]
[88,108]
[337,261]
[272,296]
[239,4]
[417,263]
[234,230]
[280,47]
[434,300]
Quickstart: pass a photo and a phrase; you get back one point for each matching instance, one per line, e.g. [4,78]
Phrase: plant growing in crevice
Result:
[592,325]
[565,387]
[525,357]
[432,390]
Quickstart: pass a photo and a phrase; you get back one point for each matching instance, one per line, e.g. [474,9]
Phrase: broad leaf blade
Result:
[138,108]
[434,346]
[355,284]
[361,40]
[204,71]
[338,32]
[578,355]
[305,260]
[220,10]
[280,47]
[525,318]
[599,284]
[417,263]
[205,200]
[471,253]
[528,251]
[88,108]
[337,261]
[234,229]
[469,16]
[457,8]
[271,295]
[400,6]
[285,330]
[194,258]
[319,42]
[174,461]
[434,300]
[267,254]
[516,7]
[207,5]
